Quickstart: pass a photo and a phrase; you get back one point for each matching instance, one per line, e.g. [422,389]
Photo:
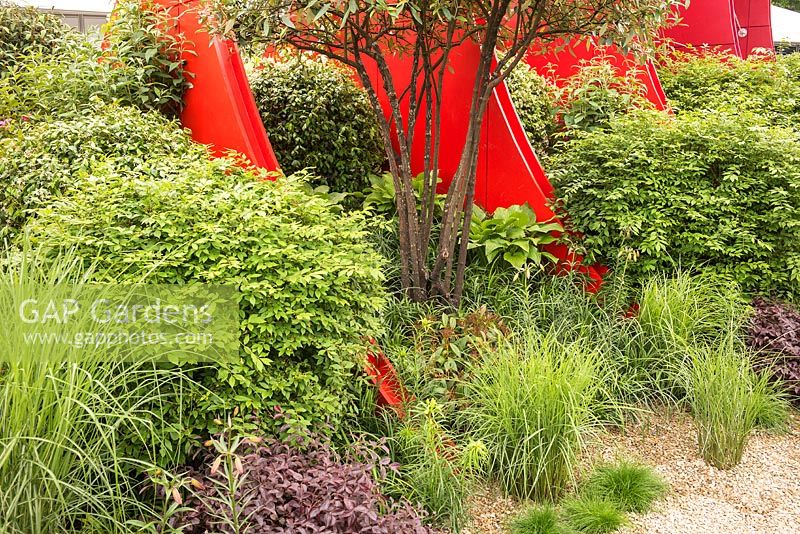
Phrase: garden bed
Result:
[762,494]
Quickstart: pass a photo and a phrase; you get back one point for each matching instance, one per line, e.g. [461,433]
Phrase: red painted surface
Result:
[716,23]
[219,109]
[508,170]
[557,63]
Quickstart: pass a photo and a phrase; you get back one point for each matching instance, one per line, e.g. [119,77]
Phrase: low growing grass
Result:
[727,398]
[541,519]
[593,515]
[531,404]
[633,487]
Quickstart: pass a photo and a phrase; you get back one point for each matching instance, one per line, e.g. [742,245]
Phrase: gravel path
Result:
[761,495]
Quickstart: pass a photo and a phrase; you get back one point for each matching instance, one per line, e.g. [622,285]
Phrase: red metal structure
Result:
[738,26]
[219,109]
[557,62]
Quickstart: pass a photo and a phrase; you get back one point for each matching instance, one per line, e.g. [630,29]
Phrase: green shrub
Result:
[140,67]
[534,99]
[717,192]
[727,397]
[542,519]
[318,117]
[592,515]
[596,94]
[40,159]
[633,487]
[26,30]
[146,56]
[531,403]
[763,85]
[309,285]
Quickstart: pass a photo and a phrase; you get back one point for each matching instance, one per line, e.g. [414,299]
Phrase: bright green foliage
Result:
[534,100]
[26,30]
[766,86]
[596,94]
[139,43]
[310,285]
[39,160]
[380,194]
[513,235]
[542,519]
[140,67]
[317,117]
[713,191]
[727,397]
[593,516]
[633,487]
[530,403]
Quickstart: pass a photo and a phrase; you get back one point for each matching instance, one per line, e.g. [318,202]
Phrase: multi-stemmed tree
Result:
[362,34]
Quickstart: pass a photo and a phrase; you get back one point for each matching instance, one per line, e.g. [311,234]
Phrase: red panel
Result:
[219,109]
[755,16]
[707,22]
[557,65]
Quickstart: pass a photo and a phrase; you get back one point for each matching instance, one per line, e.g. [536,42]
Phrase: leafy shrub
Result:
[531,404]
[632,487]
[774,331]
[727,397]
[39,160]
[141,47]
[592,515]
[26,30]
[764,85]
[534,99]
[318,117]
[286,487]
[513,235]
[596,94]
[542,519]
[309,285]
[140,66]
[717,192]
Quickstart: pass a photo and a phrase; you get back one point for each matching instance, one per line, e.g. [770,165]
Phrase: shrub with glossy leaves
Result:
[26,30]
[292,487]
[318,117]
[718,192]
[38,160]
[534,99]
[309,285]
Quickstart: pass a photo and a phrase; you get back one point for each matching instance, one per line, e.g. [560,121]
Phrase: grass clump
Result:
[531,403]
[633,487]
[542,519]
[593,515]
[727,398]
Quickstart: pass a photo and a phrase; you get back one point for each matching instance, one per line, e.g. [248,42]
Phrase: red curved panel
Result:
[754,16]
[557,62]
[707,23]
[508,170]
[219,108]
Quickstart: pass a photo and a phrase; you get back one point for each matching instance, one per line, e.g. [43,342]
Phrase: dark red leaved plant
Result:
[300,488]
[774,331]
